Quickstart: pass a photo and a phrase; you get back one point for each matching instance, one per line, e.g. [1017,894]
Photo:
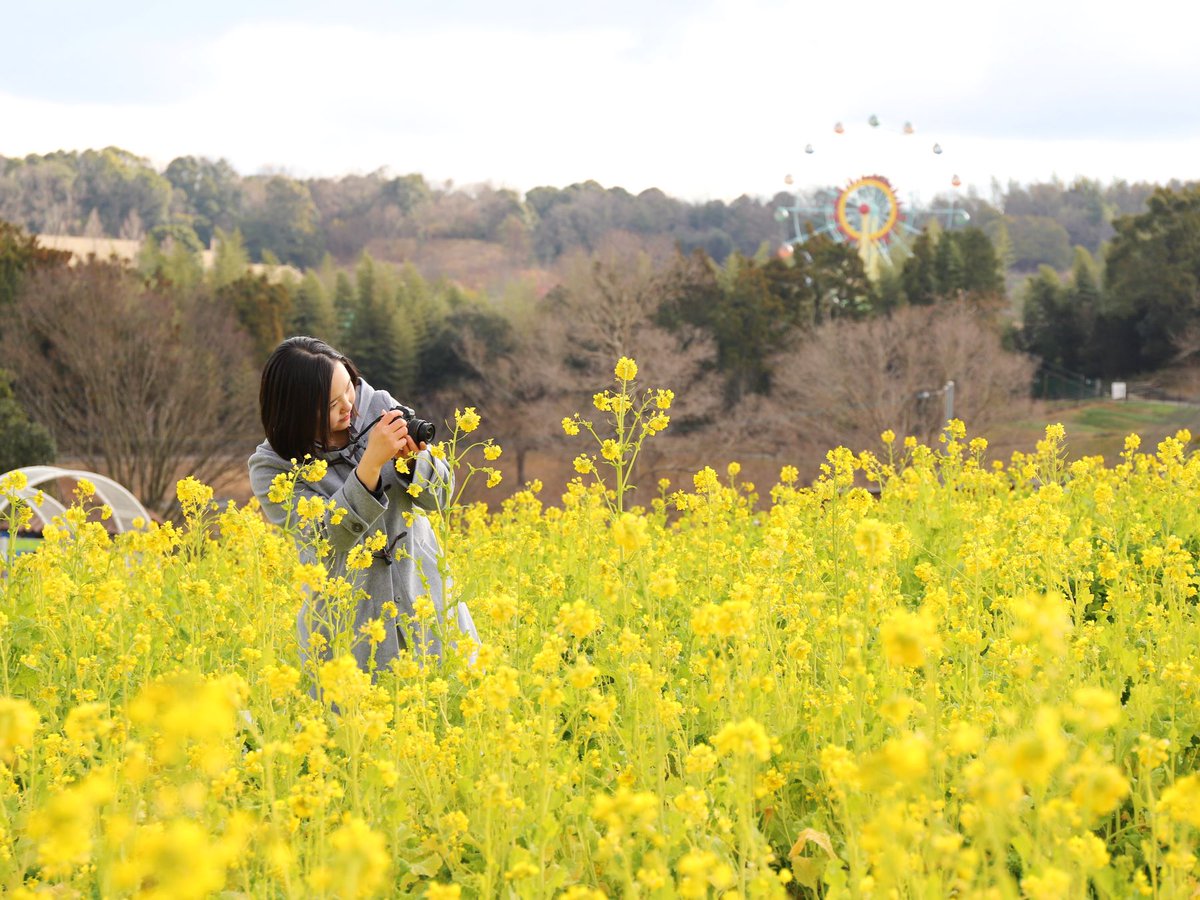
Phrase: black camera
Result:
[420,430]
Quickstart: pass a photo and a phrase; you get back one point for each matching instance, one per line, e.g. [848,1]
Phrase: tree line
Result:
[113,192]
[777,350]
[1134,306]
[144,370]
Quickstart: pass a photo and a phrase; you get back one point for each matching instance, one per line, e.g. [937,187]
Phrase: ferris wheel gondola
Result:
[866,212]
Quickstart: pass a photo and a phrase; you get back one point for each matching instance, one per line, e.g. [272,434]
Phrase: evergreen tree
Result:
[918,276]
[312,310]
[981,270]
[181,266]
[889,285]
[20,256]
[263,308]
[1040,316]
[948,268]
[838,279]
[1083,305]
[22,442]
[345,305]
[230,260]
[380,346]
[1152,273]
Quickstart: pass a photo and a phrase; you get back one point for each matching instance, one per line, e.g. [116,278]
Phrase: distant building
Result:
[83,247]
[127,251]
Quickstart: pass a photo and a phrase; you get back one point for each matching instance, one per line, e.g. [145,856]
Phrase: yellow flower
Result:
[359,557]
[577,618]
[492,452]
[907,757]
[314,470]
[14,482]
[664,584]
[625,809]
[610,449]
[63,827]
[630,532]
[746,737]
[1098,786]
[584,465]
[87,722]
[494,477]
[372,629]
[281,680]
[664,398]
[626,369]
[438,891]
[1089,850]
[658,422]
[706,481]
[1152,752]
[701,760]
[362,858]
[1094,708]
[18,721]
[1181,800]
[908,639]
[570,427]
[888,437]
[602,401]
[193,495]
[467,420]
[788,475]
[873,541]
[308,508]
[965,738]
[1047,883]
[281,488]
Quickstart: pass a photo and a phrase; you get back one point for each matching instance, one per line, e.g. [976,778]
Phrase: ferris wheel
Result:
[867,212]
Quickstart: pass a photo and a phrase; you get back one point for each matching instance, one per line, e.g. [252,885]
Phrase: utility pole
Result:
[947,392]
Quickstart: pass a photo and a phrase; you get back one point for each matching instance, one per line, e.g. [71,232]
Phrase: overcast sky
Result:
[701,99]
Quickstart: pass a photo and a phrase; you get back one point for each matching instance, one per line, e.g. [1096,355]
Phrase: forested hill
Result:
[478,233]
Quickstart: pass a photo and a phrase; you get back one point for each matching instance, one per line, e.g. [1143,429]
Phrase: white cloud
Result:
[719,105]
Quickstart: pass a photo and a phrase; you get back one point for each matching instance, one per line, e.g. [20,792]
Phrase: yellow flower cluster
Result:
[974,680]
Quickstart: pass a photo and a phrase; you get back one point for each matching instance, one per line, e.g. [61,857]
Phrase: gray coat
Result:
[405,570]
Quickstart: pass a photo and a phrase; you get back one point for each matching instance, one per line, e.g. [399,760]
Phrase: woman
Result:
[313,401]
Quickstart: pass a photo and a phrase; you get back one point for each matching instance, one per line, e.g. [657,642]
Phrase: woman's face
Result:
[341,399]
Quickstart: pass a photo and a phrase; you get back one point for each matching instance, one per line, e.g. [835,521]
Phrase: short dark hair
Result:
[293,395]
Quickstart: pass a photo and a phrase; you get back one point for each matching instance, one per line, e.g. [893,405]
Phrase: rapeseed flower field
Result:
[927,674]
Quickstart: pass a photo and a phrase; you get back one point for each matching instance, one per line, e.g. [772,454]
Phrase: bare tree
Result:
[518,386]
[847,382]
[556,355]
[141,384]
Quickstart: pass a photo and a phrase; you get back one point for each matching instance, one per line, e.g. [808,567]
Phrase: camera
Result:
[420,430]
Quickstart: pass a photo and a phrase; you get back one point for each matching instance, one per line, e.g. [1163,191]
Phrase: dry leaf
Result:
[820,838]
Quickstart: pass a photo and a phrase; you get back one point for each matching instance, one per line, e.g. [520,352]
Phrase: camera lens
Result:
[421,430]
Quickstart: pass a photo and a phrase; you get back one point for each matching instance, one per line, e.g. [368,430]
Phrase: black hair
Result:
[293,395]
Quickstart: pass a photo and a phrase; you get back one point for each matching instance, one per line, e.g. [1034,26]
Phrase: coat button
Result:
[355,527]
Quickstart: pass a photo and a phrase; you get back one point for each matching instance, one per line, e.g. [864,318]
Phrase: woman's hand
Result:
[388,440]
